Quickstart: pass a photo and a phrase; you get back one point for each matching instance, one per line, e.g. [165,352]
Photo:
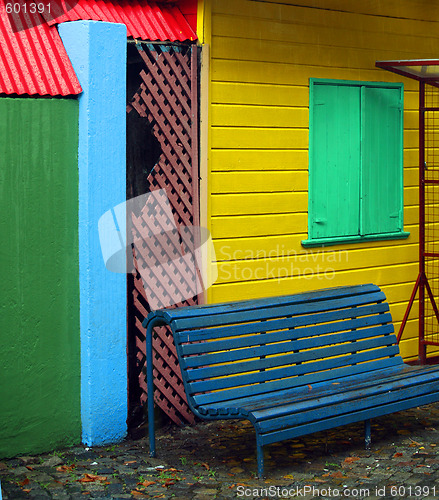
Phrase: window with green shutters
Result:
[355,162]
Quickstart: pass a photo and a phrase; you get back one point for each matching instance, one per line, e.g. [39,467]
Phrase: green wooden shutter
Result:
[381,178]
[334,161]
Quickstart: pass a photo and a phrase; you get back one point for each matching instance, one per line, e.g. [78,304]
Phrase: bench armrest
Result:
[151,322]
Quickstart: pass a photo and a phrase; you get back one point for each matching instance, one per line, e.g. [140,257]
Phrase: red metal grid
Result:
[426,72]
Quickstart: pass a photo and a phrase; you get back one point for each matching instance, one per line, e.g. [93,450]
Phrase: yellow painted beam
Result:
[234,159]
[258,116]
[358,33]
[259,94]
[392,16]
[255,263]
[258,203]
[281,285]
[264,138]
[285,245]
[277,73]
[259,182]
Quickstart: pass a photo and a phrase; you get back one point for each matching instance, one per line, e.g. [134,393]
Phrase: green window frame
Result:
[355,162]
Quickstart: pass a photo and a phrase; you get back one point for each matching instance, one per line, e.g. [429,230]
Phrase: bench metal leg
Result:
[260,458]
[367,434]
[150,388]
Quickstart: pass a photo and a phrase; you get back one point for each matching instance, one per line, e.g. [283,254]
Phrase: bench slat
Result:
[339,404]
[288,359]
[269,348]
[349,418]
[170,315]
[249,400]
[281,377]
[323,395]
[297,327]
[275,311]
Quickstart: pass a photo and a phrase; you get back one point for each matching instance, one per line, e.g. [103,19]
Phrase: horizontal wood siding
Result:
[262,55]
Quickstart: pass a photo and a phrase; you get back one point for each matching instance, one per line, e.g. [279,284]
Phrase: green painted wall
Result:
[39,291]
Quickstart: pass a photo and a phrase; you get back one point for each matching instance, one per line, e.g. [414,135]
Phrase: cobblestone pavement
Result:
[217,460]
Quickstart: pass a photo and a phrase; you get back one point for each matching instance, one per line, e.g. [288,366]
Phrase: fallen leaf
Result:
[66,468]
[130,462]
[147,483]
[349,460]
[398,455]
[310,387]
[27,491]
[338,475]
[24,482]
[91,478]
[206,466]
[29,467]
[168,482]
[137,493]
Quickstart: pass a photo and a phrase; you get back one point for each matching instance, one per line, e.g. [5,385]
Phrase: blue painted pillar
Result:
[97,51]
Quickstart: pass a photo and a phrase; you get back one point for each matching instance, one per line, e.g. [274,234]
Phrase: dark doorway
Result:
[162,154]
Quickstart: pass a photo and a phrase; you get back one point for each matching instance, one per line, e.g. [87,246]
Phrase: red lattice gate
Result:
[166,103]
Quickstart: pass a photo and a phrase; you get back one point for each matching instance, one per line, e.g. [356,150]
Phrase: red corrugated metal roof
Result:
[34,61]
[144,19]
[189,9]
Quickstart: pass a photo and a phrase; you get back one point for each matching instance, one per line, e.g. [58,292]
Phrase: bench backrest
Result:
[234,350]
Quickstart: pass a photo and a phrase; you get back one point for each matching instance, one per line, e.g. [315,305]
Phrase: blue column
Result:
[97,51]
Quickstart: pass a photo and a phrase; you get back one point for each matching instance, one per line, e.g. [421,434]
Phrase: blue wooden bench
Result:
[293,365]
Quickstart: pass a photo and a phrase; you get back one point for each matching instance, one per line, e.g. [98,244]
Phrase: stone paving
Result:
[217,460]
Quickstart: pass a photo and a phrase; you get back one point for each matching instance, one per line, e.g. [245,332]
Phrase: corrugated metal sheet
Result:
[189,9]
[34,61]
[144,19]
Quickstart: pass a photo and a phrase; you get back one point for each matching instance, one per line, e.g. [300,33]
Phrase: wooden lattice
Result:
[168,98]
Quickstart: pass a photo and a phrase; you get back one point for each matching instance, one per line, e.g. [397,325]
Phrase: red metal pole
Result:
[422,348]
[409,308]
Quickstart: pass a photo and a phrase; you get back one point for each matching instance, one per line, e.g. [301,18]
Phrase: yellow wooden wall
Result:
[255,194]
